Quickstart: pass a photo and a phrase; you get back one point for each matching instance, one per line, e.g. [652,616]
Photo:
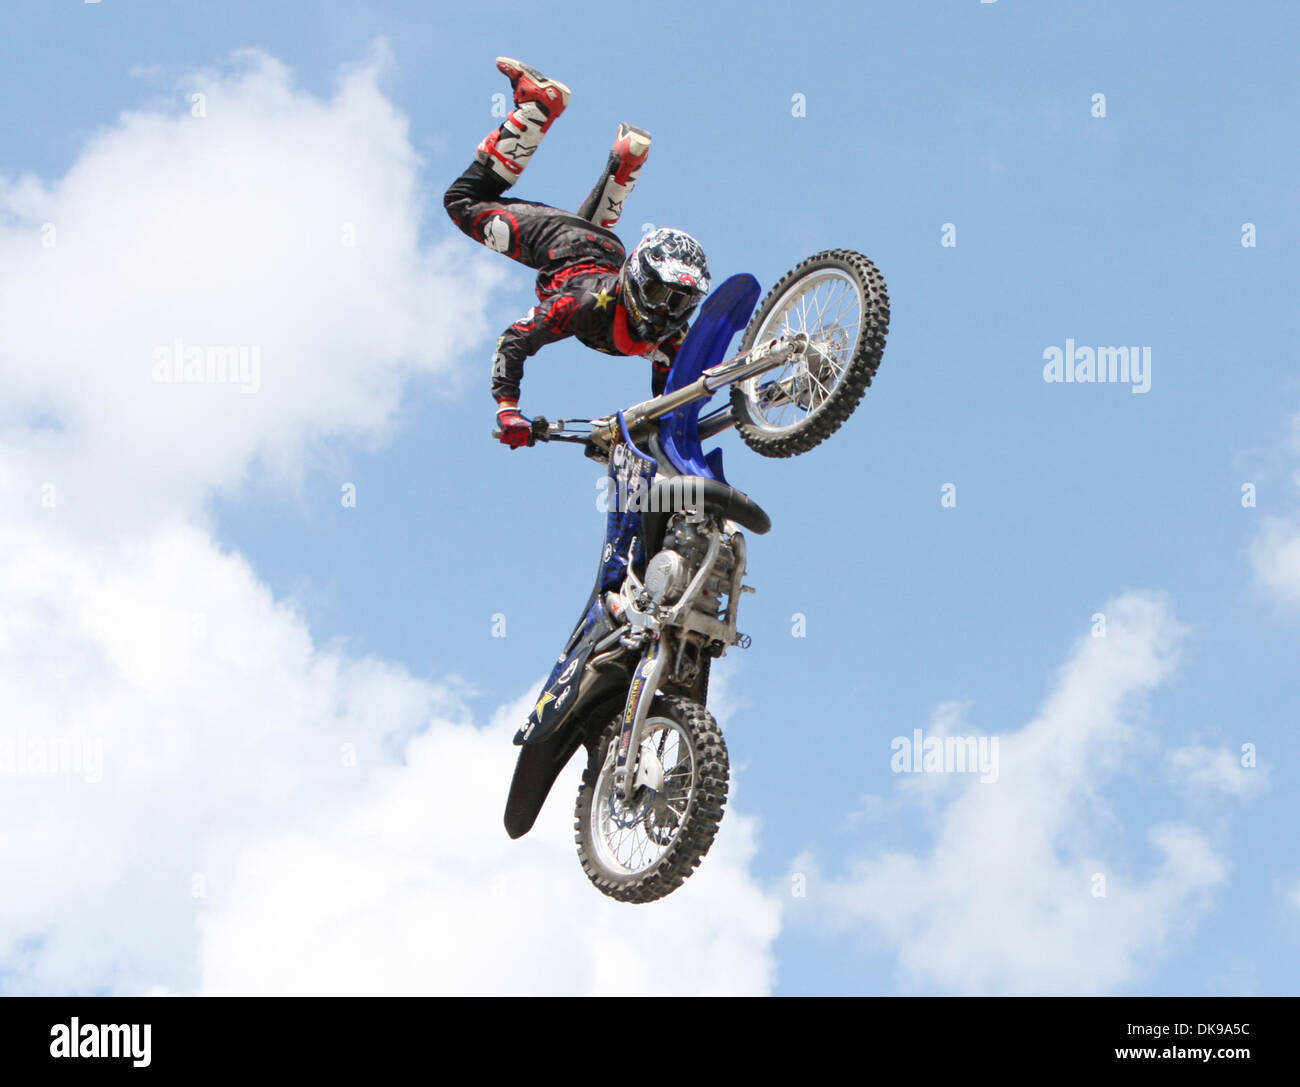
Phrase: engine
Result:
[685,550]
[666,577]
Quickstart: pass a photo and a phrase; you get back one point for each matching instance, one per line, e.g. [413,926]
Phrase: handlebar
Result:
[757,360]
[546,431]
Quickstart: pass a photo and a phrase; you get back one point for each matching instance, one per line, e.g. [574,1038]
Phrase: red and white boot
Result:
[604,204]
[538,102]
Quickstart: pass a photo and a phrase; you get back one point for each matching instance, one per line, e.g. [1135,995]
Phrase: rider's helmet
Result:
[663,280]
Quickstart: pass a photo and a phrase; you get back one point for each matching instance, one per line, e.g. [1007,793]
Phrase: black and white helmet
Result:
[663,280]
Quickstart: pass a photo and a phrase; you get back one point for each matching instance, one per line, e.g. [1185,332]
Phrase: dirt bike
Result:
[632,681]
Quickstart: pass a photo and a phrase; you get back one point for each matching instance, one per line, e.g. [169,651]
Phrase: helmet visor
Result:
[671,298]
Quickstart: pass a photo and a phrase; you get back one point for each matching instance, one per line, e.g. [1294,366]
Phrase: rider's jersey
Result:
[580,301]
[578,266]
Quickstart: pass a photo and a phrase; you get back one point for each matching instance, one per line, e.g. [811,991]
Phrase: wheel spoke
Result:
[629,836]
[828,308]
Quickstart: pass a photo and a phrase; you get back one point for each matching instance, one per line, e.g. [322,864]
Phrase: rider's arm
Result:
[661,361]
[544,323]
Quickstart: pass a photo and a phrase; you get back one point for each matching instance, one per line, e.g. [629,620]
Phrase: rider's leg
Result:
[536,235]
[538,102]
[476,201]
[604,204]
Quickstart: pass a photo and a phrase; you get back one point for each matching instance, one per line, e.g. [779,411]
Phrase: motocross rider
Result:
[588,286]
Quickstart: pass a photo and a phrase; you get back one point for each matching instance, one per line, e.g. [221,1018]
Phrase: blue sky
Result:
[1122,229]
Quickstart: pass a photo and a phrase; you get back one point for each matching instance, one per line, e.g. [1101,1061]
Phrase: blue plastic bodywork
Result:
[725,312]
[631,470]
[630,473]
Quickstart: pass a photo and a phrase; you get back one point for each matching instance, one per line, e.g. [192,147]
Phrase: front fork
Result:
[645,682]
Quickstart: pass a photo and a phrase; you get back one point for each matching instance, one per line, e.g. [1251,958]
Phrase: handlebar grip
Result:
[543,435]
[541,430]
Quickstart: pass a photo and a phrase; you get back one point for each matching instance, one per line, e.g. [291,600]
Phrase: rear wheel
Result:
[644,848]
[839,299]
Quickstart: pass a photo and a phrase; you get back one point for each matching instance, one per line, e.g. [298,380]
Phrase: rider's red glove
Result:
[516,429]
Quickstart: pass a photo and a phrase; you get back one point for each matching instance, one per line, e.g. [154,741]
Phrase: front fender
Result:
[536,769]
[540,761]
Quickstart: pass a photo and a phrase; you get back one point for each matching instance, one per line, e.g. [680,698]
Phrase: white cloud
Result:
[226,845]
[1275,553]
[1002,901]
[223,745]
[1275,550]
[1216,769]
[225,230]
[415,888]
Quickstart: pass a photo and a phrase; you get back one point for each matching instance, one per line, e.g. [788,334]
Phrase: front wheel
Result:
[644,848]
[838,298]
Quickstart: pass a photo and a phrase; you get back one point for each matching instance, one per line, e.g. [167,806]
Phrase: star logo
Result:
[603,300]
[541,703]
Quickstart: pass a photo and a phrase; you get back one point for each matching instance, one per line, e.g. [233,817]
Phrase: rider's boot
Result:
[538,101]
[604,204]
